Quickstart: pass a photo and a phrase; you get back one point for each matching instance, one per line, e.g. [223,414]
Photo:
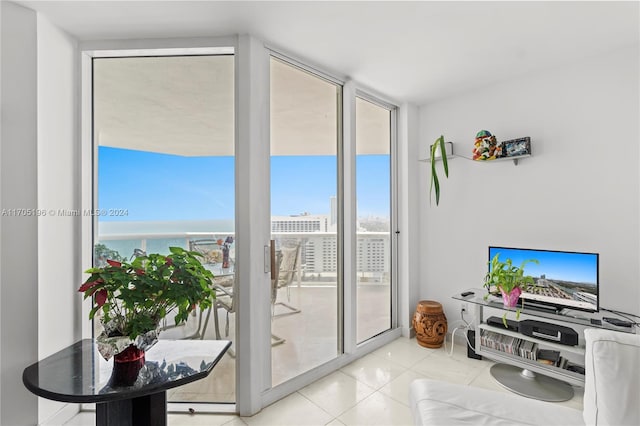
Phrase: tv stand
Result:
[518,368]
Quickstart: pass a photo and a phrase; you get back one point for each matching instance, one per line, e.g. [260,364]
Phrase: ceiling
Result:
[184,105]
[408,51]
[180,105]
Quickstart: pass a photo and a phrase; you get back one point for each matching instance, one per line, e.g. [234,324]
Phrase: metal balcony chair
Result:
[209,249]
[211,252]
[276,260]
[289,265]
[225,299]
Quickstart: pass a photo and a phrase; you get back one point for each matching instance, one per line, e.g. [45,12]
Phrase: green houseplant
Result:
[438,145]
[508,280]
[133,297]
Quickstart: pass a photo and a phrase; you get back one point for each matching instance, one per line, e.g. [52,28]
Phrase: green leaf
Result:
[436,185]
[443,151]
[93,311]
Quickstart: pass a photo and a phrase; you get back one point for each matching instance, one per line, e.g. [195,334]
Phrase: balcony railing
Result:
[318,251]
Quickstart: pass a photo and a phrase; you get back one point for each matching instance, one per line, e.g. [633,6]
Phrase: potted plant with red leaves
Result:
[133,297]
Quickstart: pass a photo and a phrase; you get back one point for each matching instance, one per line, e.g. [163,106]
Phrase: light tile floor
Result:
[373,390]
[311,338]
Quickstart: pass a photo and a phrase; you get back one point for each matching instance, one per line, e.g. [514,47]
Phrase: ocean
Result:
[158,236]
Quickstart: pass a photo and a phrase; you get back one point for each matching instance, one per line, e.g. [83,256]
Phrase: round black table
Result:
[79,374]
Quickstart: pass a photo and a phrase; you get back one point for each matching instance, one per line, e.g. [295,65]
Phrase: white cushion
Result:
[439,403]
[612,381]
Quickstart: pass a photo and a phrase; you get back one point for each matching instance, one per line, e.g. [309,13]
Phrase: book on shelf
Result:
[562,363]
[526,349]
[576,368]
[509,344]
[548,356]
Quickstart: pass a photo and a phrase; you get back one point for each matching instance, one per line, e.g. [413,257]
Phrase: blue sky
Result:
[153,186]
[576,267]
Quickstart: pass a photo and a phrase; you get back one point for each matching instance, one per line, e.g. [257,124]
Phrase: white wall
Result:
[18,190]
[58,186]
[579,191]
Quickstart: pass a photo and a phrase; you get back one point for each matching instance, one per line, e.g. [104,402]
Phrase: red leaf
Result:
[87,285]
[169,261]
[114,263]
[101,297]
[139,272]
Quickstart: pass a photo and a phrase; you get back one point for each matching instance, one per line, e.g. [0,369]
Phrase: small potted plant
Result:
[508,280]
[133,297]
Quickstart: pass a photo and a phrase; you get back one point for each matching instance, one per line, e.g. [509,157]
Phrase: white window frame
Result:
[376,99]
[88,159]
[253,231]
[347,230]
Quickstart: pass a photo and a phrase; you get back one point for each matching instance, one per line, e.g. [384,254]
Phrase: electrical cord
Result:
[467,326]
[462,317]
[633,323]
[623,314]
[453,334]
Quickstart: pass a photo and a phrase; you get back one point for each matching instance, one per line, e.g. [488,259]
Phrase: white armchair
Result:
[611,396]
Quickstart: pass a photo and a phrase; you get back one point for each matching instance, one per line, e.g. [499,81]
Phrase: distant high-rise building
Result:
[320,253]
[302,223]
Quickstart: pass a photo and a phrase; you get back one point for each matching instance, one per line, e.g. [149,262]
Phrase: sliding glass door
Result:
[306,283]
[373,211]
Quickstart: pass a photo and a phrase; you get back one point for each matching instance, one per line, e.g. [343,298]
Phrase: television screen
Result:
[562,279]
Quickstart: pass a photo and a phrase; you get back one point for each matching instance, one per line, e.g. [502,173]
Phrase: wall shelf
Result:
[448,147]
[514,158]
[453,155]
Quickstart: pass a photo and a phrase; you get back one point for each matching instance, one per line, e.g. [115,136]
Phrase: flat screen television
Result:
[562,279]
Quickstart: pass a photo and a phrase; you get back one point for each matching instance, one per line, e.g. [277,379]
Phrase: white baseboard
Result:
[408,331]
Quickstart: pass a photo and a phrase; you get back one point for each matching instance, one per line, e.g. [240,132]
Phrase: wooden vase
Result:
[430,324]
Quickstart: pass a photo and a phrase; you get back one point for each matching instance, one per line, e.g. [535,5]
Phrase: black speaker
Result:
[471,350]
[498,322]
[552,332]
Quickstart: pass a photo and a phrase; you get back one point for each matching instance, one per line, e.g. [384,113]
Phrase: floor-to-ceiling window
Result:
[173,183]
[305,129]
[164,152]
[373,212]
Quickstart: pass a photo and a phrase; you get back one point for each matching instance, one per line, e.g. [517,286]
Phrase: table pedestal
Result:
[148,410]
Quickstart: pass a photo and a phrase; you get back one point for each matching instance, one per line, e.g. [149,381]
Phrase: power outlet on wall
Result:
[464,309]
